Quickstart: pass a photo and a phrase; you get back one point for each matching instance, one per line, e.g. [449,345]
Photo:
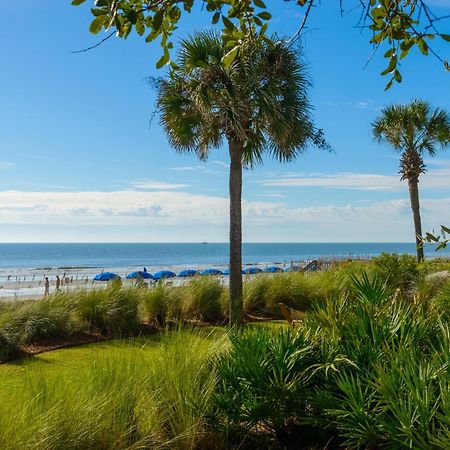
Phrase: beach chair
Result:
[291,315]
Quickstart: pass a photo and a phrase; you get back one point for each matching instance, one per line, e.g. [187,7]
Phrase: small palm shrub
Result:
[267,382]
[442,297]
[368,368]
[400,271]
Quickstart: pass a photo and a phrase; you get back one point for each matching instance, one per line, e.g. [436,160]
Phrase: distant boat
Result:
[204,242]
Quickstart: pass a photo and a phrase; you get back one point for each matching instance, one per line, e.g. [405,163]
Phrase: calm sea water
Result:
[40,256]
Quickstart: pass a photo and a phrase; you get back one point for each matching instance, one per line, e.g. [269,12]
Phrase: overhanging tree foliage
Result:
[396,25]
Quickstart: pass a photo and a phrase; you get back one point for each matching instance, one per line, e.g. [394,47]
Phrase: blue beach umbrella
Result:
[106,276]
[252,270]
[273,269]
[188,273]
[211,272]
[163,274]
[140,274]
[227,272]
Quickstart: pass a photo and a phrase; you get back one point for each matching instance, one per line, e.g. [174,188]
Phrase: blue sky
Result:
[80,162]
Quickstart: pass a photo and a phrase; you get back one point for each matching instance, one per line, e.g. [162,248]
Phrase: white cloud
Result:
[157,185]
[269,195]
[203,168]
[6,165]
[161,214]
[221,164]
[435,178]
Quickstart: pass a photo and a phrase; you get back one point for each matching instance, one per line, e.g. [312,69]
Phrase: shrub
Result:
[255,293]
[112,311]
[399,271]
[203,299]
[8,347]
[155,304]
[36,320]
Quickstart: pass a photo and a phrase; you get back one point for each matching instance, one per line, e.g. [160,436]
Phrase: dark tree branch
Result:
[97,44]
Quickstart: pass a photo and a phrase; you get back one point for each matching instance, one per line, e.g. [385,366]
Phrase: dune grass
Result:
[136,393]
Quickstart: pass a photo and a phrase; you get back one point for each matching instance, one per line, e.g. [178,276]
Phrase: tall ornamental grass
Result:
[134,397]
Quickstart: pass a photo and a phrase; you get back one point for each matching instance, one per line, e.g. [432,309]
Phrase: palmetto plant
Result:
[414,130]
[258,104]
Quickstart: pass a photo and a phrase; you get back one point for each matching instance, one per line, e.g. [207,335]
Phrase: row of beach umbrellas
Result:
[162,274]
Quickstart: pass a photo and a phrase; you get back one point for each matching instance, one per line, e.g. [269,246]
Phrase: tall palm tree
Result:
[257,103]
[414,130]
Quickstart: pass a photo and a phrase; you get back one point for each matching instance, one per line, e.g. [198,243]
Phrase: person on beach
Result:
[58,282]
[46,287]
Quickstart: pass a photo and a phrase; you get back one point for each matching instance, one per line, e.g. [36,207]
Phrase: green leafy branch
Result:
[442,240]
[154,19]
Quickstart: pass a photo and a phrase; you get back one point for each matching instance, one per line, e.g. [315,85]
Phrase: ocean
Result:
[63,256]
[23,267]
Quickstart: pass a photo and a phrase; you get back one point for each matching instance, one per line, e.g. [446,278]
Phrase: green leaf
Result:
[228,23]
[77,2]
[431,238]
[158,20]
[445,229]
[215,17]
[230,56]
[259,4]
[163,60]
[446,37]
[97,24]
[265,15]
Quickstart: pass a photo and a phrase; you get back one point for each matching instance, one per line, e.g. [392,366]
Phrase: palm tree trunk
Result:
[413,186]
[235,185]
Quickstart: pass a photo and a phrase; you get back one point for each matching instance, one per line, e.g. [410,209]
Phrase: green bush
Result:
[37,320]
[112,311]
[367,371]
[202,298]
[399,271]
[8,347]
[267,382]
[155,304]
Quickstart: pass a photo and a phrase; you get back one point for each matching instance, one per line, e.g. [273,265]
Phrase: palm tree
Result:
[414,130]
[257,103]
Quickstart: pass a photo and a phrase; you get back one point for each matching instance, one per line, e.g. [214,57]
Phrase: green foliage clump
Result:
[33,321]
[267,382]
[8,347]
[155,304]
[203,298]
[399,271]
[367,368]
[296,290]
[112,311]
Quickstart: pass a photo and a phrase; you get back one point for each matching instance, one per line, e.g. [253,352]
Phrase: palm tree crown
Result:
[414,130]
[259,100]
